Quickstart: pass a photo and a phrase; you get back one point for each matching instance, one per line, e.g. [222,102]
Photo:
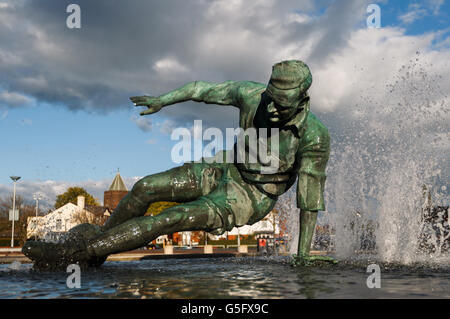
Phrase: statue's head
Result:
[287,89]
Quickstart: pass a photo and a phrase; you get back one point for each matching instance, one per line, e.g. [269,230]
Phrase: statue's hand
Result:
[314,261]
[152,103]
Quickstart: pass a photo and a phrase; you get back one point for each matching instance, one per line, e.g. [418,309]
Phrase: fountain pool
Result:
[244,277]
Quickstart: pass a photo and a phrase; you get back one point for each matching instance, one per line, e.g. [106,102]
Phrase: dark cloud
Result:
[114,54]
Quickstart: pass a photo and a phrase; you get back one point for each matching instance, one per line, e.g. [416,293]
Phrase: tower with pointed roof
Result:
[115,193]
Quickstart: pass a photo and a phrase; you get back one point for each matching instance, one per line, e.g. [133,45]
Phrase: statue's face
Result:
[282,110]
[279,113]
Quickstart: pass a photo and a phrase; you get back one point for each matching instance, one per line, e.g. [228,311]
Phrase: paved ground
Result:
[11,256]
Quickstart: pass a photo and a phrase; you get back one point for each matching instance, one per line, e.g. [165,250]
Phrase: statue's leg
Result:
[224,200]
[232,203]
[131,234]
[181,184]
[139,231]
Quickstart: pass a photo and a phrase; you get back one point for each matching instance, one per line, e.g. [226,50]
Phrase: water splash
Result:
[394,142]
[391,150]
[289,218]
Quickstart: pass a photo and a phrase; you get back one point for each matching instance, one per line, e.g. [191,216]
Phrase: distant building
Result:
[115,193]
[59,221]
[269,224]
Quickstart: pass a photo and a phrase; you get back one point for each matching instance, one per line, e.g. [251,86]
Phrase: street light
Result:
[15,179]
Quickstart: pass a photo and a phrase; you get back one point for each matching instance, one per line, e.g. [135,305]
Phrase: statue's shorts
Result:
[226,194]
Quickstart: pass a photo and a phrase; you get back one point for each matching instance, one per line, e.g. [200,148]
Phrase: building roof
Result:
[97,210]
[118,184]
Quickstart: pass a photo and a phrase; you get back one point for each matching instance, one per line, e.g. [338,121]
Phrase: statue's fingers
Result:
[141,103]
[136,98]
[139,100]
[147,112]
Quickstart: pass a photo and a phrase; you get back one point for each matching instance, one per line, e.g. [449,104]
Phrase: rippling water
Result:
[258,277]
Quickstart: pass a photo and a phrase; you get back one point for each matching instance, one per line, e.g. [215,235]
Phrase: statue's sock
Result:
[130,235]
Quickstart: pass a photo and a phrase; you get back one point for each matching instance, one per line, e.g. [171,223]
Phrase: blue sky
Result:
[48,142]
[46,137]
[417,17]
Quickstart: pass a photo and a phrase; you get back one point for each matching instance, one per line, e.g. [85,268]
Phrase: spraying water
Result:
[386,157]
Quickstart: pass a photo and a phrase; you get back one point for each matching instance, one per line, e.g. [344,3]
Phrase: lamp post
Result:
[15,179]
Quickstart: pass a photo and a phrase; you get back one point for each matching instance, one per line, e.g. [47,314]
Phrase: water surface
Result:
[250,277]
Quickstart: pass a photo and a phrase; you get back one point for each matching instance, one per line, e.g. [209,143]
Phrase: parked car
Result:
[153,246]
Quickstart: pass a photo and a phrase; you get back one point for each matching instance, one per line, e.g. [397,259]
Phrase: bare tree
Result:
[7,204]
[22,224]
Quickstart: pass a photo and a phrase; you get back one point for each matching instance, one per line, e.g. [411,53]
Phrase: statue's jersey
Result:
[304,146]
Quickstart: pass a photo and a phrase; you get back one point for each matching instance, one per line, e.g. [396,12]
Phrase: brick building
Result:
[115,193]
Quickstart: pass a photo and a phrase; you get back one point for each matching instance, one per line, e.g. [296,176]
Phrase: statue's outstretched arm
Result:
[225,93]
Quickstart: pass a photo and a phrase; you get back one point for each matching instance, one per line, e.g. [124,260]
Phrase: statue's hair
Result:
[291,74]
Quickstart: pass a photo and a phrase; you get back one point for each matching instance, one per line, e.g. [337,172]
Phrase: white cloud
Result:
[299,18]
[49,189]
[169,66]
[435,5]
[415,12]
[14,98]
[144,123]
[372,58]
[167,126]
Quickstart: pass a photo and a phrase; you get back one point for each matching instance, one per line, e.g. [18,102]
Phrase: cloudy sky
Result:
[65,117]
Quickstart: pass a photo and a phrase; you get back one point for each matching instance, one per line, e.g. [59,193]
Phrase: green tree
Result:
[70,196]
[157,207]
